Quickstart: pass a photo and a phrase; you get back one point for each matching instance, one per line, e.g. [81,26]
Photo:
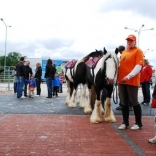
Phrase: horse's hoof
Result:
[110,120]
[95,121]
[89,111]
[71,106]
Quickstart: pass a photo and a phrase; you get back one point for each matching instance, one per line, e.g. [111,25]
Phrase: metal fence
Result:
[6,77]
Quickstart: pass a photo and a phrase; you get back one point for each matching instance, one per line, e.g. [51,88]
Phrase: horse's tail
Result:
[93,96]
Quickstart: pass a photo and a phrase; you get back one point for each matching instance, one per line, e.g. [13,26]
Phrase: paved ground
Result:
[47,127]
[9,104]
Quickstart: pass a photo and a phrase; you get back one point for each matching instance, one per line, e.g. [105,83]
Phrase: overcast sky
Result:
[70,29]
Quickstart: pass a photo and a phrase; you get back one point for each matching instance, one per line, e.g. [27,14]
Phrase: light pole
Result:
[148,50]
[139,31]
[6,26]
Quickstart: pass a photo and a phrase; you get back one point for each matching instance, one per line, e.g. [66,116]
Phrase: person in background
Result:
[56,84]
[145,77]
[49,75]
[31,86]
[131,62]
[20,68]
[38,74]
[14,74]
[28,72]
[61,77]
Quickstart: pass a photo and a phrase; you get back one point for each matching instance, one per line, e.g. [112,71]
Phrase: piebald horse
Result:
[102,76]
[74,77]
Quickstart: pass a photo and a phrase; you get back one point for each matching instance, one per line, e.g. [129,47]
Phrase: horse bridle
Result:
[115,86]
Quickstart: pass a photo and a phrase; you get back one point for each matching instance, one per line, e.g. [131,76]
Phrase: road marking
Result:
[133,145]
[5,116]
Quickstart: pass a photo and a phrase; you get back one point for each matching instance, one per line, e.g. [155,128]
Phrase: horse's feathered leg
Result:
[96,115]
[83,96]
[102,110]
[68,92]
[88,107]
[72,102]
[109,115]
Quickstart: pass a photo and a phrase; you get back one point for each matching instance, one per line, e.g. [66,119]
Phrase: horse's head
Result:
[111,63]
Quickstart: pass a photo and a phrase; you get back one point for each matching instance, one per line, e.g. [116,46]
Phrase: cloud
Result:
[142,8]
[72,29]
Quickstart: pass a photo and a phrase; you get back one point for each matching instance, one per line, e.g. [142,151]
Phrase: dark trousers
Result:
[55,90]
[15,87]
[38,86]
[130,93]
[25,87]
[146,92]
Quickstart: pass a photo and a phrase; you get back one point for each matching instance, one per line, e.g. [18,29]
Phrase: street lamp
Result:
[139,31]
[6,26]
[148,50]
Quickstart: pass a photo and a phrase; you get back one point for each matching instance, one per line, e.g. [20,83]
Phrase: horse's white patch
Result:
[112,62]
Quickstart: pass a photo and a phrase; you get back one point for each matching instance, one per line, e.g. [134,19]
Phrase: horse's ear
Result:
[104,51]
[96,50]
[116,51]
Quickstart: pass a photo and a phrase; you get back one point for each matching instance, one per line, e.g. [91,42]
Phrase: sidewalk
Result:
[65,135]
[41,127]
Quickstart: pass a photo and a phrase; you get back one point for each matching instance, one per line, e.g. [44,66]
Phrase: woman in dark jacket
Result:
[49,75]
[38,74]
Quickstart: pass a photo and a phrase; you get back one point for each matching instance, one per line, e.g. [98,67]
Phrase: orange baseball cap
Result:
[132,37]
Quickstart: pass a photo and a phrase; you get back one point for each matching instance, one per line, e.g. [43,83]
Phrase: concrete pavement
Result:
[47,127]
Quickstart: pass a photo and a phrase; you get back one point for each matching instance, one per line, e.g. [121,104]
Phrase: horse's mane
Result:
[96,53]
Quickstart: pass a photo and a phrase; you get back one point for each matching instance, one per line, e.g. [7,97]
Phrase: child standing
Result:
[56,84]
[14,74]
[31,87]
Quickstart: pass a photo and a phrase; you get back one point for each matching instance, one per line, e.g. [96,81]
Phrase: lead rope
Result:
[115,93]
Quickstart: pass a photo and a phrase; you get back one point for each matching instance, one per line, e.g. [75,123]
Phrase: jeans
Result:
[49,86]
[25,87]
[20,85]
[60,88]
[146,92]
[15,87]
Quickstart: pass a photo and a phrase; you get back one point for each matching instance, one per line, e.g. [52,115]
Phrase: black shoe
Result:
[143,102]
[119,108]
[48,97]
[26,95]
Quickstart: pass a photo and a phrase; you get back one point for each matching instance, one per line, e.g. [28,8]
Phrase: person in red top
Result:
[146,74]
[128,80]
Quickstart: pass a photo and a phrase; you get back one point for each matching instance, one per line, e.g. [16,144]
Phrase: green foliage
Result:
[11,59]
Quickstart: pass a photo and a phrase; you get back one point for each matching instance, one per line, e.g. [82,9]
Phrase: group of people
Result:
[133,70]
[23,77]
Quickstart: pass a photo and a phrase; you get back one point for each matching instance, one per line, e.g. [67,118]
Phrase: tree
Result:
[11,59]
